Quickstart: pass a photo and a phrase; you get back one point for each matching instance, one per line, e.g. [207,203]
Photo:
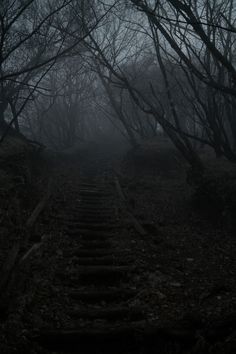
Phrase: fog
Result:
[70,70]
[118,136]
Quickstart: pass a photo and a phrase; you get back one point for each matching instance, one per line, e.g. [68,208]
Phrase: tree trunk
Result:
[14,114]
[119,112]
[3,107]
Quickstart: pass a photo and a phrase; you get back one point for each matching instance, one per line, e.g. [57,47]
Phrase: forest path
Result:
[96,285]
[95,299]
[94,270]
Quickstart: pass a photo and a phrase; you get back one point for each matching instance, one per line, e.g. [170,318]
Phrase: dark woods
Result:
[106,243]
[72,69]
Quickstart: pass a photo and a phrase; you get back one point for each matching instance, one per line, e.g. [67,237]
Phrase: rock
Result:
[176,284]
[160,295]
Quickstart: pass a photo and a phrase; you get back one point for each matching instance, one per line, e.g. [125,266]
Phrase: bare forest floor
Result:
[188,257]
[186,265]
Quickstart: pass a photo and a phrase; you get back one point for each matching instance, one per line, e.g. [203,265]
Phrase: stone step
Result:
[116,313]
[95,218]
[101,339]
[89,233]
[105,209]
[93,193]
[93,198]
[93,253]
[95,237]
[105,188]
[91,244]
[92,218]
[95,275]
[88,203]
[91,226]
[87,218]
[108,295]
[90,185]
[106,260]
[101,275]
[92,209]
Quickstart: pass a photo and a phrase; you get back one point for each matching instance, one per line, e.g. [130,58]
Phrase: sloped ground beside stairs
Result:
[189,264]
[23,177]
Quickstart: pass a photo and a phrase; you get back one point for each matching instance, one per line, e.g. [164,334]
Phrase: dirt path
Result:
[97,285]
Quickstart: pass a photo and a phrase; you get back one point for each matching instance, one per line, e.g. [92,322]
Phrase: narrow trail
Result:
[84,292]
[95,271]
